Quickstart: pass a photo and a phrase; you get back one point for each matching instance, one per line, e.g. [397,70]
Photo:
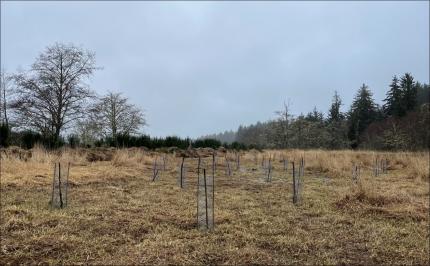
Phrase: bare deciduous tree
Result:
[6,92]
[284,119]
[87,131]
[115,115]
[53,94]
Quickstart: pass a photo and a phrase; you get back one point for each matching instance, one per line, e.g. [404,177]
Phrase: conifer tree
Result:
[315,116]
[334,114]
[336,124]
[393,103]
[423,93]
[362,113]
[409,92]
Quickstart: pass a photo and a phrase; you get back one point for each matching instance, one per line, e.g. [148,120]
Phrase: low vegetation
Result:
[116,215]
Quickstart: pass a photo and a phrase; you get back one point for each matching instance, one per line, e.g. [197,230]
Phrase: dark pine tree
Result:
[334,114]
[315,116]
[363,112]
[409,92]
[336,124]
[423,93]
[393,103]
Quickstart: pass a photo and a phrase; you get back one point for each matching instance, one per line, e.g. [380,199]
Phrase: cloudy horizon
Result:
[198,68]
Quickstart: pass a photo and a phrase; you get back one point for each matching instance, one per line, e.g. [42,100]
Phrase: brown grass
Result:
[117,216]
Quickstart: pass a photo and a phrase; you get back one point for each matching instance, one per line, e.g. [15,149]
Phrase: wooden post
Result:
[359,171]
[375,167]
[378,167]
[182,173]
[386,165]
[198,167]
[302,167]
[67,183]
[206,199]
[283,162]
[198,191]
[355,173]
[59,185]
[53,185]
[295,199]
[228,166]
[383,166]
[155,170]
[155,175]
[213,190]
[213,163]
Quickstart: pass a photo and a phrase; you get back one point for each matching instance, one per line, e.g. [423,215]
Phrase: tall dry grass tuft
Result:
[40,155]
[366,194]
[130,157]
[74,156]
[417,166]
[338,164]
[65,155]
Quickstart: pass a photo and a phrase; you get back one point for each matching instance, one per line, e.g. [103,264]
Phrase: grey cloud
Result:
[204,67]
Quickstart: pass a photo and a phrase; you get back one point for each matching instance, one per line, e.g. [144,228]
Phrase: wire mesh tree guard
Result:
[205,201]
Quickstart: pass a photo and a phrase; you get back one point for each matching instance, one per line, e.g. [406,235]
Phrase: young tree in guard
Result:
[228,169]
[285,163]
[384,166]
[164,162]
[205,201]
[269,170]
[376,167]
[302,167]
[155,170]
[355,173]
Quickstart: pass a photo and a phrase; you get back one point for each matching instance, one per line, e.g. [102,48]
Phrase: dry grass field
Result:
[116,215]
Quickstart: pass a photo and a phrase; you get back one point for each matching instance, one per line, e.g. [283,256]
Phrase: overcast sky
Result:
[205,67]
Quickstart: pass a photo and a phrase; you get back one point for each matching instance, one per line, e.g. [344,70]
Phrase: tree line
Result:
[401,123]
[52,104]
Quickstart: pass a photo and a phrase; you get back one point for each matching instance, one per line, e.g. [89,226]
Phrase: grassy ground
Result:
[116,215]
